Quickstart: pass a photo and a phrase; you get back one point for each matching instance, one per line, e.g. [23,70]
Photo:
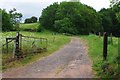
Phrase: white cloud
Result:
[97,4]
[31,1]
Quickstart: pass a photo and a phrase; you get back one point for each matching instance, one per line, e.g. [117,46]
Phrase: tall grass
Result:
[95,52]
[29,27]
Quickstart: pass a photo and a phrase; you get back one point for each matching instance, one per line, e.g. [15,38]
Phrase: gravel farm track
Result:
[70,61]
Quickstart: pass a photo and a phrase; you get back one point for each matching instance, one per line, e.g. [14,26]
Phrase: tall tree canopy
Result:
[48,16]
[111,18]
[70,17]
[77,18]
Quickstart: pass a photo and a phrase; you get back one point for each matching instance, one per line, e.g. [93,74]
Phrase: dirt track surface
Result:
[71,61]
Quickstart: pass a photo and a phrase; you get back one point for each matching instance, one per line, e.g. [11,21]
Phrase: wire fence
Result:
[20,46]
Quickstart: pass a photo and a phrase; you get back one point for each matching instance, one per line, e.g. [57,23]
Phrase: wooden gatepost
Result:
[17,45]
[7,44]
[105,42]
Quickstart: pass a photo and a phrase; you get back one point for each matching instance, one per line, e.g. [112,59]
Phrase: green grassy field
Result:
[29,27]
[95,52]
[54,43]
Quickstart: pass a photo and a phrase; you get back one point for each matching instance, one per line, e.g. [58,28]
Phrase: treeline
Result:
[33,19]
[78,18]
[111,20]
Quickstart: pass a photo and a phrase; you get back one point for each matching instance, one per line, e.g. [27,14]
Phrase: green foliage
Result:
[111,18]
[11,20]
[6,21]
[77,18]
[71,17]
[108,68]
[48,16]
[31,20]
[15,18]
[64,26]
[34,19]
[114,2]
[110,21]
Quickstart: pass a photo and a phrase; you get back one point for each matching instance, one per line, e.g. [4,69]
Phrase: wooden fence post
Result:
[20,41]
[105,46]
[14,49]
[17,45]
[7,44]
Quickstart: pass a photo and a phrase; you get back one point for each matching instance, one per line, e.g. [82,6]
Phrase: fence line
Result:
[18,45]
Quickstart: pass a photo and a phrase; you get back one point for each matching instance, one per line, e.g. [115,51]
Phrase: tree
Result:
[65,26]
[106,20]
[110,22]
[33,19]
[114,2]
[11,20]
[115,5]
[15,18]
[48,17]
[28,20]
[6,21]
[71,17]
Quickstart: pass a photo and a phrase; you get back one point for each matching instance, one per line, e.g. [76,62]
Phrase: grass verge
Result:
[29,27]
[108,68]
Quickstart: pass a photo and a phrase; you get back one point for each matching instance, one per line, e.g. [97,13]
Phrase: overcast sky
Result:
[34,7]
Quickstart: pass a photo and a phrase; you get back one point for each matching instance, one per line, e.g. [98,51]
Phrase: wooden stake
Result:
[20,42]
[17,45]
[7,44]
[14,49]
[105,46]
